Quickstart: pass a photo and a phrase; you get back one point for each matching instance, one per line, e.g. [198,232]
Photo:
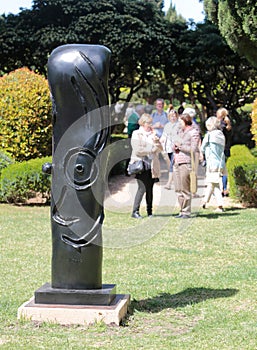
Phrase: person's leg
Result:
[149,182]
[208,193]
[169,182]
[138,197]
[225,182]
[171,162]
[182,189]
[185,182]
[177,185]
[170,179]
[218,196]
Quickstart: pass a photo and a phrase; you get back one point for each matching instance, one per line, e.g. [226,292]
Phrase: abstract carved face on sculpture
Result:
[77,76]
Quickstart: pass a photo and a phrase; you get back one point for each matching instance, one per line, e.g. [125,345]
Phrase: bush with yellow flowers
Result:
[25,115]
[254,121]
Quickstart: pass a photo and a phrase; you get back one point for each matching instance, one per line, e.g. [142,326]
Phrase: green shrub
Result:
[242,175]
[119,168]
[246,180]
[21,181]
[5,160]
[25,115]
[254,151]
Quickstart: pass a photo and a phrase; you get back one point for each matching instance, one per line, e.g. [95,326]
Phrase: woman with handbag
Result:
[184,147]
[213,149]
[145,148]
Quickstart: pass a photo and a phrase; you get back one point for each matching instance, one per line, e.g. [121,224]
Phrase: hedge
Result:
[242,175]
[22,181]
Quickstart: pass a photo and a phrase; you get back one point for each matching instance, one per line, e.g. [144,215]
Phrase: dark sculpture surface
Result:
[77,76]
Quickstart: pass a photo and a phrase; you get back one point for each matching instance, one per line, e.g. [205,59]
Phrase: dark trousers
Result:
[145,186]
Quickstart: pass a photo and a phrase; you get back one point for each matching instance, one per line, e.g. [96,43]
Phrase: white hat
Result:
[190,111]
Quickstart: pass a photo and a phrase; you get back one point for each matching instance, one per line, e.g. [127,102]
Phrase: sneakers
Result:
[181,216]
[225,193]
[218,210]
[136,215]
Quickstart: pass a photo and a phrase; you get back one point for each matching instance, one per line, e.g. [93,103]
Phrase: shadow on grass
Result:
[189,296]
[235,208]
[216,215]
[232,211]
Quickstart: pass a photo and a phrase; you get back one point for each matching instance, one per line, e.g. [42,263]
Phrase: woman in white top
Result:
[169,134]
[145,146]
[213,149]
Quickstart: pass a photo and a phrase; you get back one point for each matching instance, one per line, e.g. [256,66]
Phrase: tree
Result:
[135,31]
[172,15]
[237,21]
[212,73]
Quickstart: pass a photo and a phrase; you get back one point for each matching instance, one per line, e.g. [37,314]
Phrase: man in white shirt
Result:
[160,118]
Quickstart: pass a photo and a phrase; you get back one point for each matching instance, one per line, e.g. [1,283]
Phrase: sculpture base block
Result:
[48,295]
[76,314]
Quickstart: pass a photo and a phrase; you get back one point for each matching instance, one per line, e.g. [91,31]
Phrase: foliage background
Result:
[237,22]
[152,55]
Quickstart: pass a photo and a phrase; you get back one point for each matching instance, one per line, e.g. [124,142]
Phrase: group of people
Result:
[176,136]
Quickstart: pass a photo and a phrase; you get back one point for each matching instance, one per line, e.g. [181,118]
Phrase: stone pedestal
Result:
[66,306]
[66,314]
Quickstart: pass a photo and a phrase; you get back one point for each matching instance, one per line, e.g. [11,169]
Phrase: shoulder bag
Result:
[136,167]
[193,177]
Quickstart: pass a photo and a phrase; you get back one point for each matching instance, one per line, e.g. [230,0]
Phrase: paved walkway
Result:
[122,190]
[120,197]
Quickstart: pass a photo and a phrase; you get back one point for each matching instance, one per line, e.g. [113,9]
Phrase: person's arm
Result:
[204,143]
[157,146]
[158,125]
[139,146]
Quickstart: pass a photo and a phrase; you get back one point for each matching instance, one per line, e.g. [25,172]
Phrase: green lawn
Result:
[192,282]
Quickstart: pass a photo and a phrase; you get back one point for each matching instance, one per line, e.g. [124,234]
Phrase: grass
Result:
[192,283]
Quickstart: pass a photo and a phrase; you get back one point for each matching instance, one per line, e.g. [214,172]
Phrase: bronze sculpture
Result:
[77,76]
